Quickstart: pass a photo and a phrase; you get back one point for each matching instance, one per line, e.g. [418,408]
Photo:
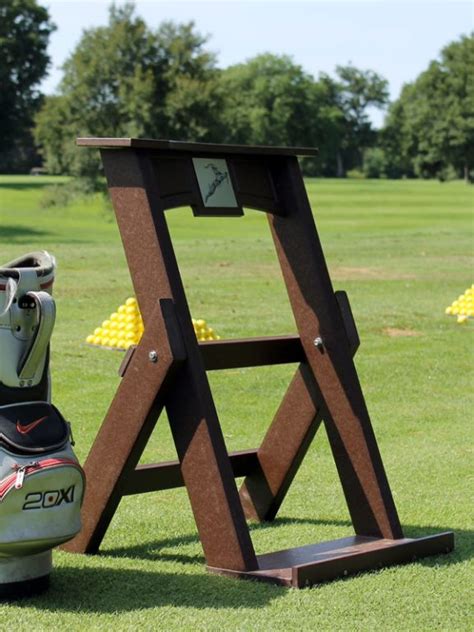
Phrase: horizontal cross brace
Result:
[247,352]
[167,475]
[236,354]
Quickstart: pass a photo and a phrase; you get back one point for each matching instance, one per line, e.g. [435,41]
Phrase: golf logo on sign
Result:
[214,183]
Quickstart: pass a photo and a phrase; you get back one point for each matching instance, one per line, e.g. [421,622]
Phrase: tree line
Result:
[127,79]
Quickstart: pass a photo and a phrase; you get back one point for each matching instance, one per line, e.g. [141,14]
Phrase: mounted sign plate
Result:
[215,186]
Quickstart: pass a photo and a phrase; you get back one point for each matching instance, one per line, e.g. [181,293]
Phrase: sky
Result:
[395,39]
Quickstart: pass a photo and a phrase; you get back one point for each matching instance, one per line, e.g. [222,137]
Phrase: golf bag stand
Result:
[41,481]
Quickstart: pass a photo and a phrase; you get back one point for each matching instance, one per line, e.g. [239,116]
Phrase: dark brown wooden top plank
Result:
[195,148]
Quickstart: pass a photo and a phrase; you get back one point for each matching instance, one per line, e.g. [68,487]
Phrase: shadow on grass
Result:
[154,550]
[99,589]
[464,542]
[109,590]
[20,234]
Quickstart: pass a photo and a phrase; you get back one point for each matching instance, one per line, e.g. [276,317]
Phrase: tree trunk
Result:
[341,173]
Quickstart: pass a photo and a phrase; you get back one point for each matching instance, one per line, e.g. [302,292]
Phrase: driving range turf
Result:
[403,251]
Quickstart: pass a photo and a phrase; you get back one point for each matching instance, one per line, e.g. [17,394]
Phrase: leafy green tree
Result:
[190,80]
[124,79]
[374,162]
[430,128]
[269,100]
[398,145]
[328,127]
[454,76]
[25,28]
[354,92]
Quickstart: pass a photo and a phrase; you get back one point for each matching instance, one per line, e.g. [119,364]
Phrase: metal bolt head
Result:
[153,356]
[318,343]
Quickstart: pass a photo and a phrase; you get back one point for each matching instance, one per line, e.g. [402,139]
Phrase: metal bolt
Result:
[318,343]
[153,356]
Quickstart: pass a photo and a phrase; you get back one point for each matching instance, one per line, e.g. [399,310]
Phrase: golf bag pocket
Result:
[41,481]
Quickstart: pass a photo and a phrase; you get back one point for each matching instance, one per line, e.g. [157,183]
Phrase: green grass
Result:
[403,251]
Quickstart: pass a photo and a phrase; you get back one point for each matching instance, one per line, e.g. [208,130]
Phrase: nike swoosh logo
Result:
[26,429]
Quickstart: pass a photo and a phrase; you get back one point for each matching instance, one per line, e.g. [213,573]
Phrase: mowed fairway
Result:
[403,251]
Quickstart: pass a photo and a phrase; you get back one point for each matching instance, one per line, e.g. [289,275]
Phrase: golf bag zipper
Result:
[16,480]
[21,471]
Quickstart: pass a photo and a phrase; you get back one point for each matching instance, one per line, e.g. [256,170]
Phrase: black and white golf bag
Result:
[41,481]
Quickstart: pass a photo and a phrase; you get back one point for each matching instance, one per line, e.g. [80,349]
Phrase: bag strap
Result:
[46,310]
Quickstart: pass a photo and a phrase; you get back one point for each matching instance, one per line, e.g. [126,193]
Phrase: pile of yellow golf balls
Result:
[203,332]
[463,306]
[124,328]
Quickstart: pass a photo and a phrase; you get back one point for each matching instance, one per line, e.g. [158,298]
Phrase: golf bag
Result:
[41,481]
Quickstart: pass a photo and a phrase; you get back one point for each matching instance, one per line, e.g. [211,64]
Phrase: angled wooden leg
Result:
[207,474]
[292,430]
[283,448]
[128,425]
[205,464]
[321,328]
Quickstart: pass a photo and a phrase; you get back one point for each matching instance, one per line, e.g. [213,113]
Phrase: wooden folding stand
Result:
[168,369]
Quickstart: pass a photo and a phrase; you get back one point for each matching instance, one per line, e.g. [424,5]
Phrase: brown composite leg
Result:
[293,429]
[283,448]
[127,426]
[317,315]
[205,464]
